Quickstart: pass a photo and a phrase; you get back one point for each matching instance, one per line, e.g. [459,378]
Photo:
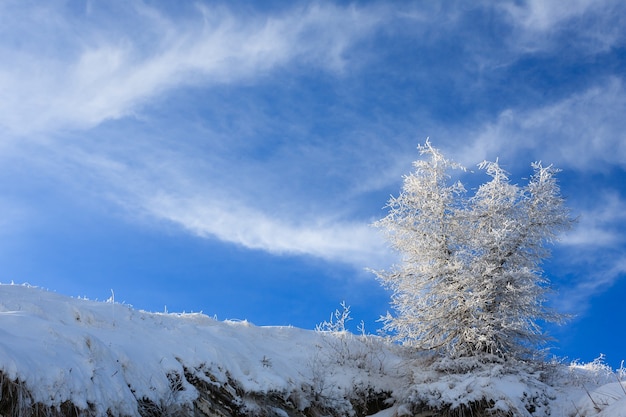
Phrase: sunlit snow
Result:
[105,356]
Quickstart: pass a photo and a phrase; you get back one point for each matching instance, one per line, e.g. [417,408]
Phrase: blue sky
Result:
[229,157]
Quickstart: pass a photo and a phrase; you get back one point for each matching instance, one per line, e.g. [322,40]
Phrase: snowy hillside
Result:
[66,356]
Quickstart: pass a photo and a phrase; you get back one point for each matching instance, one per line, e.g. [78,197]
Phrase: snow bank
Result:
[105,355]
[109,358]
[607,401]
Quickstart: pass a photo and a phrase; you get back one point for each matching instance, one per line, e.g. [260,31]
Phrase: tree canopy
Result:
[470,280]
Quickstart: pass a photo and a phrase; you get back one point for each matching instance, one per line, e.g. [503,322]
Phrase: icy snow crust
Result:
[104,356]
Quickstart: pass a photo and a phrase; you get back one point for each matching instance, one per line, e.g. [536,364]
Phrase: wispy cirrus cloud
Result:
[75,69]
[583,131]
[231,221]
[91,70]
[537,15]
[82,73]
[80,69]
[218,199]
[594,26]
[601,226]
[589,272]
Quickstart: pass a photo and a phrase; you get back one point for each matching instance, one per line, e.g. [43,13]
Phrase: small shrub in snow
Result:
[344,348]
[337,321]
[594,372]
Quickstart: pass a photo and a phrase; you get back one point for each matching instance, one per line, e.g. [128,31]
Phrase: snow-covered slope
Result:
[107,356]
[60,353]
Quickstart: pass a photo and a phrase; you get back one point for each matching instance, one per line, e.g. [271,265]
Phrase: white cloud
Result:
[584,131]
[543,15]
[600,226]
[102,75]
[595,25]
[357,244]
[593,253]
[160,185]
[603,270]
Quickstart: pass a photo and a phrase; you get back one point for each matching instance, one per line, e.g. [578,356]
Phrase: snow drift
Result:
[66,356]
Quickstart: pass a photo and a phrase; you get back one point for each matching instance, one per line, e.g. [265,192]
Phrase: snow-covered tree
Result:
[470,279]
